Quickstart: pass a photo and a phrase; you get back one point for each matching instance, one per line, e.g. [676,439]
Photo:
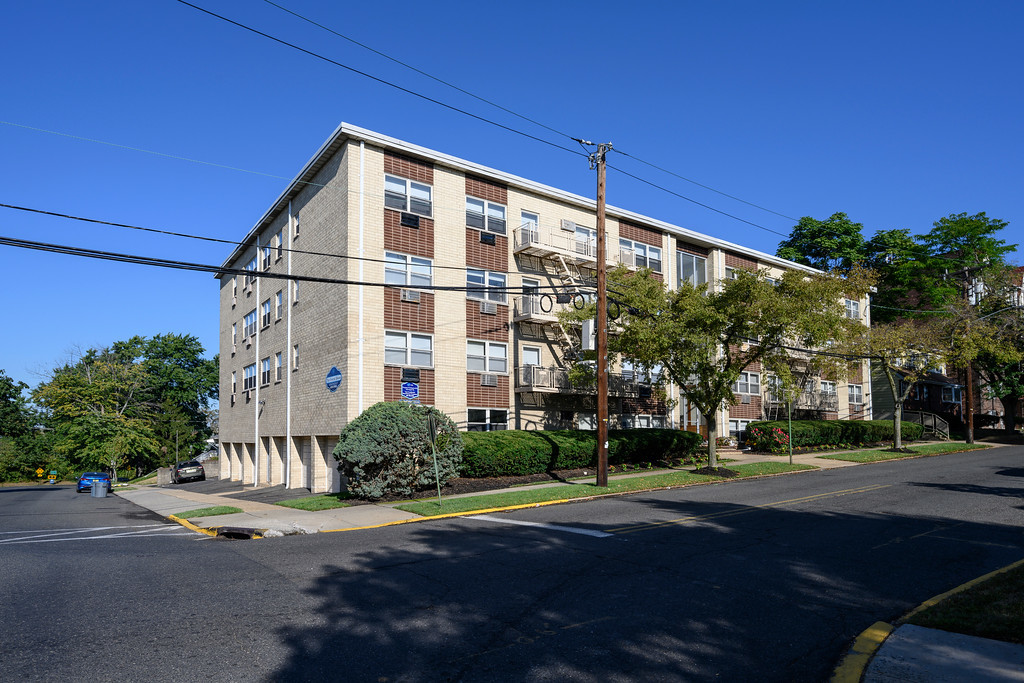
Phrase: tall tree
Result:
[704,338]
[15,418]
[835,243]
[896,260]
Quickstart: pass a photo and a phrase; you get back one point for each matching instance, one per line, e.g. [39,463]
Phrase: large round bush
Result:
[386,450]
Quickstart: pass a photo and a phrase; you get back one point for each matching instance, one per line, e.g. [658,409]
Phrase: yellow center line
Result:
[744,510]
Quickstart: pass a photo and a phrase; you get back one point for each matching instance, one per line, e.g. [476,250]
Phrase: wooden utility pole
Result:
[597,159]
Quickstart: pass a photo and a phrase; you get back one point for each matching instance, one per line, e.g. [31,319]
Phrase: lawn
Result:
[208,512]
[876,455]
[616,485]
[327,501]
[993,608]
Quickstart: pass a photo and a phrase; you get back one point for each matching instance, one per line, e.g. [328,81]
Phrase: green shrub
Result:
[386,450]
[771,436]
[512,453]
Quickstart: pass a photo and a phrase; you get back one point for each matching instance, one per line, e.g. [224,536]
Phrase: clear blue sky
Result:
[897,113]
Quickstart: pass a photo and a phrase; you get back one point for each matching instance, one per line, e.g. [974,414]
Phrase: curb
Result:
[221,531]
[855,662]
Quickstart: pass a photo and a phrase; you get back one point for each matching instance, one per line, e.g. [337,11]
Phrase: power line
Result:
[417,70]
[381,80]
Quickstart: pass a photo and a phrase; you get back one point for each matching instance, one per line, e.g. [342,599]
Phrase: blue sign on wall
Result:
[410,390]
[333,379]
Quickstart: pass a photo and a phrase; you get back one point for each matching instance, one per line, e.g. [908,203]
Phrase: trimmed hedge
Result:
[764,436]
[513,452]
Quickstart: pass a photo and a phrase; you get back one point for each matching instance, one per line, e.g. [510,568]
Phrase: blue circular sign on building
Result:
[410,390]
[333,379]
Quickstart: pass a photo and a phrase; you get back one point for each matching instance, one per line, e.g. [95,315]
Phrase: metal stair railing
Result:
[932,423]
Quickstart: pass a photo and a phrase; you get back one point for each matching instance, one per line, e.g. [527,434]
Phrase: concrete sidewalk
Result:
[915,653]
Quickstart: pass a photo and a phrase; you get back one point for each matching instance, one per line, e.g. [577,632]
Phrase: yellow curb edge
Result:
[959,589]
[851,668]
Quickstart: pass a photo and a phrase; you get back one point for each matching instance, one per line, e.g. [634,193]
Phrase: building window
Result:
[529,221]
[586,241]
[234,336]
[692,269]
[265,310]
[828,388]
[486,419]
[856,393]
[250,323]
[531,355]
[748,383]
[295,358]
[249,377]
[234,289]
[279,303]
[406,348]
[640,255]
[951,394]
[266,258]
[278,366]
[295,292]
[407,195]
[295,225]
[484,356]
[738,429]
[407,271]
[484,215]
[234,382]
[279,244]
[250,276]
[265,371]
[485,285]
[634,372]
[853,309]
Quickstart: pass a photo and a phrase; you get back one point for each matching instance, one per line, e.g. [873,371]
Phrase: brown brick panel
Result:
[410,317]
[746,411]
[856,374]
[486,189]
[638,233]
[393,385]
[736,261]
[486,256]
[407,167]
[644,406]
[482,326]
[486,397]
[691,249]
[415,241]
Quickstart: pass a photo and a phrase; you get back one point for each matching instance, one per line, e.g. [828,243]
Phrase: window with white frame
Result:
[951,394]
[295,292]
[484,215]
[295,358]
[234,336]
[234,382]
[250,323]
[748,383]
[250,275]
[828,388]
[853,309]
[278,366]
[407,348]
[531,355]
[407,271]
[586,241]
[266,258]
[486,356]
[265,309]
[234,289]
[295,225]
[486,419]
[265,371]
[692,269]
[529,221]
[408,195]
[738,428]
[249,377]
[279,244]
[635,372]
[855,393]
[485,285]
[279,303]
[640,255]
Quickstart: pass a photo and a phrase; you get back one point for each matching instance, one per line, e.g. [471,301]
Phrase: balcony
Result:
[577,248]
[808,400]
[538,379]
[530,308]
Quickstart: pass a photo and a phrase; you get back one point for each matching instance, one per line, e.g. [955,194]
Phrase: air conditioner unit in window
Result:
[568,225]
[248,394]
[488,380]
[489,307]
[745,398]
[487,238]
[410,220]
[411,296]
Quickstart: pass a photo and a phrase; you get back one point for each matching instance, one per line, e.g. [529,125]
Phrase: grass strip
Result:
[993,609]
[327,501]
[877,455]
[429,508]
[208,512]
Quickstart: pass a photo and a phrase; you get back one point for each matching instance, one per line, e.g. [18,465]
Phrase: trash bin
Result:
[99,489]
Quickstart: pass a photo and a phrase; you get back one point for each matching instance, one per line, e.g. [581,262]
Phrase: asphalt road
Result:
[765,580]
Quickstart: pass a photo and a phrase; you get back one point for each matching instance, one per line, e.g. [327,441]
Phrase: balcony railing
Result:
[808,400]
[536,378]
[531,307]
[547,243]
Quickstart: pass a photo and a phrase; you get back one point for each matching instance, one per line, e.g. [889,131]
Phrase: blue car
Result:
[85,481]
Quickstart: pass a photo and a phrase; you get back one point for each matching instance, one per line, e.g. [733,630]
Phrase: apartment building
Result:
[345,302]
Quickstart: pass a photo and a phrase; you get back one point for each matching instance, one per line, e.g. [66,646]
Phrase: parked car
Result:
[85,481]
[187,471]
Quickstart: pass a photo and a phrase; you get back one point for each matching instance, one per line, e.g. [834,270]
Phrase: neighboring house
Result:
[936,393]
[368,210]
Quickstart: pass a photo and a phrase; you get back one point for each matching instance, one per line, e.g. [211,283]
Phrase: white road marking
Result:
[92,533]
[552,527]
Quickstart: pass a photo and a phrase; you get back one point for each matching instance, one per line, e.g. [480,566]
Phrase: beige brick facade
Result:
[364,195]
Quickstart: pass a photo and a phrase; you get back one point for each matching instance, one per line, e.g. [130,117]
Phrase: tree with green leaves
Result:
[15,420]
[835,243]
[705,336]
